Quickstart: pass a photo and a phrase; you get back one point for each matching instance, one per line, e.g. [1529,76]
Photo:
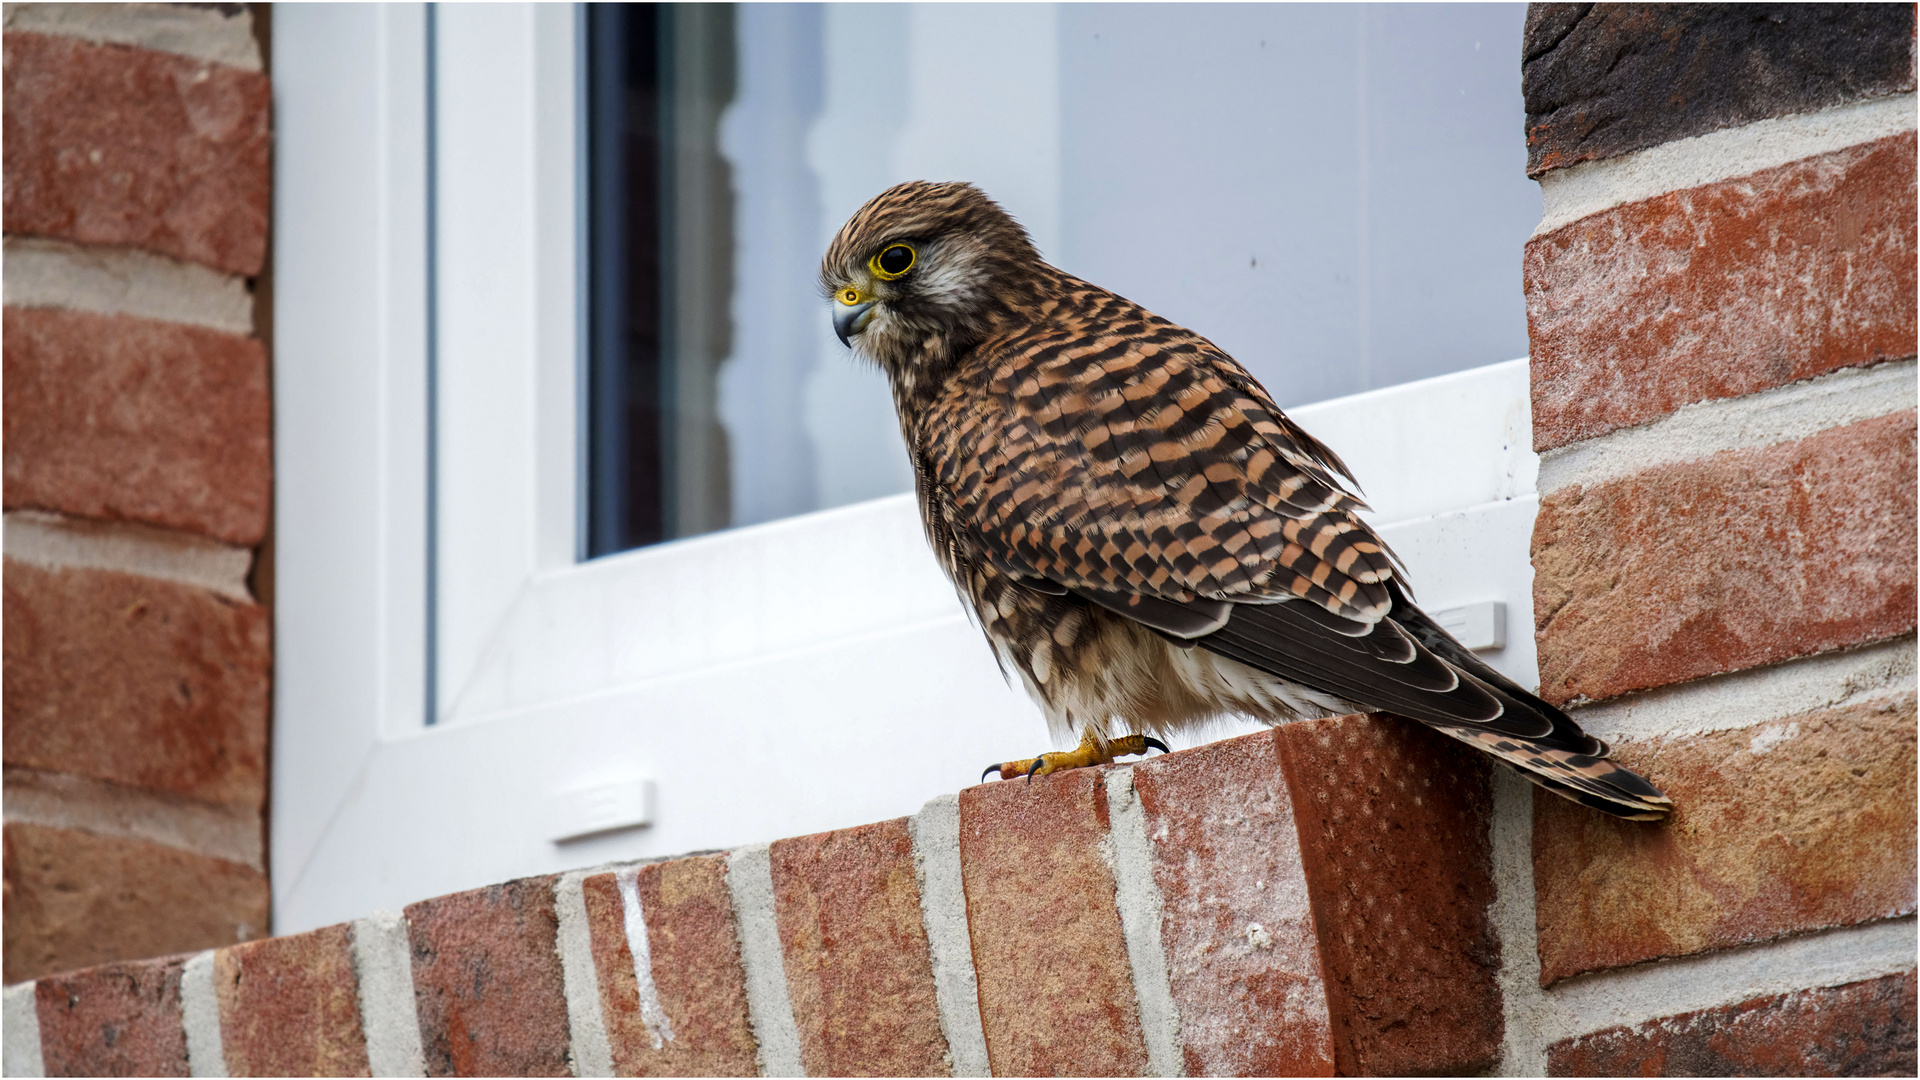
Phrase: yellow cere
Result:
[849,297]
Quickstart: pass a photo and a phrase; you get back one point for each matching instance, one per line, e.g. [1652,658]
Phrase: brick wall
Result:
[1295,902]
[1721,307]
[137,482]
[1722,302]
[1332,897]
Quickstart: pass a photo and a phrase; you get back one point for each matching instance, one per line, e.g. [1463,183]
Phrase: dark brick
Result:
[487,977]
[858,968]
[1226,857]
[1860,1029]
[1722,290]
[1395,827]
[696,971]
[117,417]
[1056,987]
[117,1020]
[1603,80]
[108,144]
[1799,825]
[290,1006]
[75,899]
[137,681]
[1744,558]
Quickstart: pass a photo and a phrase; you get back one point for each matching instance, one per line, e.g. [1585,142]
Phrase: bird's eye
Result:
[892,262]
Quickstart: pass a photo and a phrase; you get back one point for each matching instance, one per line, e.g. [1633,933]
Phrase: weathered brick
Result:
[1722,290]
[117,1020]
[1605,79]
[74,899]
[1395,827]
[225,33]
[1743,558]
[858,967]
[1056,988]
[696,971]
[107,144]
[1242,955]
[138,681]
[486,975]
[1860,1029]
[1793,826]
[112,416]
[290,1006]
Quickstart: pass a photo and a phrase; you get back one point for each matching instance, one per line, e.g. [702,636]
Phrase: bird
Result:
[1148,543]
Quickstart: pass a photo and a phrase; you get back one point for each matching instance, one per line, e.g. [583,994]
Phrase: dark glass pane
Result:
[659,247]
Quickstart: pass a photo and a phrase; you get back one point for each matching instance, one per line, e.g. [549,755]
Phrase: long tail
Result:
[1590,780]
[1408,665]
[1567,761]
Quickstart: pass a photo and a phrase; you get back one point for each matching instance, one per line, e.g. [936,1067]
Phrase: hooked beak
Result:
[849,320]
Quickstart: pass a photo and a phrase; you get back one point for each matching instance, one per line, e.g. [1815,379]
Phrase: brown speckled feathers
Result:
[1116,452]
[1149,542]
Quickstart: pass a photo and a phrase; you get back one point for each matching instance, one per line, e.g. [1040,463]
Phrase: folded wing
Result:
[1125,460]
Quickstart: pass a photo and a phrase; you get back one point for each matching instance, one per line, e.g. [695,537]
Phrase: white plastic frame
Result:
[812,673]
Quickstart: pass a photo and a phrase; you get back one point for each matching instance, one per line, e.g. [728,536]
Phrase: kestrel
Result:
[1148,542]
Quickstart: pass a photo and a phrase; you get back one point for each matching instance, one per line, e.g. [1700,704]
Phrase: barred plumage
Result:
[1148,541]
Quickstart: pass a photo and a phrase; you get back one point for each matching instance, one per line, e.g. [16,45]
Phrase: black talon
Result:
[1154,744]
[988,769]
[1034,768]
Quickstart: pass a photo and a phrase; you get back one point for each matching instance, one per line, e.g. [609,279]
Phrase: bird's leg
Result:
[1091,751]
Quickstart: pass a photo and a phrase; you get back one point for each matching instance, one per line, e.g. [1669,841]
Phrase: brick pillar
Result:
[1721,310]
[137,482]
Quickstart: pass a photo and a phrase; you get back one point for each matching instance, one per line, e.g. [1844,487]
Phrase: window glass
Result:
[1334,194]
[660,244]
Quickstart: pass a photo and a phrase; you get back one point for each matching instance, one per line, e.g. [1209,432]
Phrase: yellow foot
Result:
[1090,752]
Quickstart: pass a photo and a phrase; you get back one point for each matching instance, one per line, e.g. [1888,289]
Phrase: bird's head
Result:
[924,270]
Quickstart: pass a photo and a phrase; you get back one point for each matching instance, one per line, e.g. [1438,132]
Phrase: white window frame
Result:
[811,673]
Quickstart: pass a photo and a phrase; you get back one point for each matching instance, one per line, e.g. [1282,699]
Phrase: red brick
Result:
[486,975]
[1744,558]
[290,1006]
[1798,825]
[1861,1029]
[137,681]
[696,971]
[1056,987]
[858,968]
[1722,290]
[107,144]
[112,416]
[118,1020]
[1226,857]
[75,899]
[1395,836]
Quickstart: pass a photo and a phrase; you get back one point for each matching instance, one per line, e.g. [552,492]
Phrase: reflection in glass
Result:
[660,249]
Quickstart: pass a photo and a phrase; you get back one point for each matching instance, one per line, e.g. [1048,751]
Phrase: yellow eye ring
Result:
[849,297]
[893,261]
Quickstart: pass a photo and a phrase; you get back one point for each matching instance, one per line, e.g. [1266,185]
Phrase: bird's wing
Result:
[1124,459]
[1115,456]
[1139,460]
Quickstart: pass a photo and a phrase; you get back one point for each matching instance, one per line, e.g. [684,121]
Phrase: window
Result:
[661,251]
[472,400]
[1333,194]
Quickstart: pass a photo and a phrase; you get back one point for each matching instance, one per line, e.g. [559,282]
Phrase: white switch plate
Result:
[1480,627]
[585,811]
